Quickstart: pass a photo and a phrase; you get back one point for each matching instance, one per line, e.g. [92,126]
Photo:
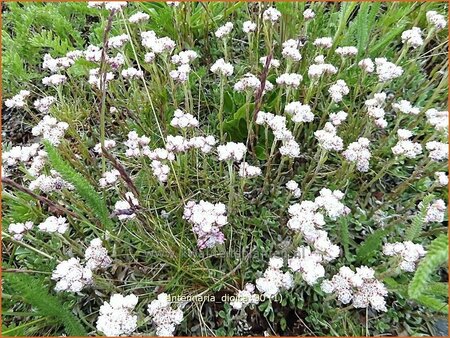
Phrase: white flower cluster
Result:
[164,317]
[124,209]
[386,70]
[177,144]
[206,219]
[108,144]
[245,297]
[405,107]
[330,202]
[441,178]
[438,150]
[24,155]
[290,49]
[204,144]
[183,120]
[359,153]
[71,276]
[55,65]
[293,187]
[360,288]
[249,171]
[137,146]
[435,212]
[18,230]
[222,68]
[271,14]
[375,109]
[138,17]
[325,42]
[96,255]
[149,57]
[173,3]
[438,119]
[43,105]
[181,74]
[116,318]
[277,124]
[54,224]
[308,14]
[315,71]
[328,139]
[289,80]
[337,118]
[248,27]
[437,20]
[115,5]
[231,151]
[184,57]
[308,264]
[157,45]
[109,177]
[347,51]
[367,65]
[274,63]
[224,31]
[54,80]
[115,62]
[338,91]
[274,279]
[405,146]
[299,112]
[47,184]
[131,73]
[250,82]
[18,101]
[118,41]
[409,253]
[160,170]
[96,80]
[413,37]
[50,129]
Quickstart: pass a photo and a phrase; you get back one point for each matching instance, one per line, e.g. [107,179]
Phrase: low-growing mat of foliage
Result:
[224,169]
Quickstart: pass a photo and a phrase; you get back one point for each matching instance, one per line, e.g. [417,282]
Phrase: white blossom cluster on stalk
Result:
[409,253]
[109,178]
[438,119]
[177,143]
[96,256]
[330,202]
[224,31]
[116,318]
[95,79]
[50,129]
[157,45]
[346,51]
[55,65]
[124,209]
[249,171]
[367,65]
[438,151]
[338,91]
[184,57]
[290,50]
[108,145]
[149,57]
[181,74]
[137,145]
[406,147]
[271,14]
[245,297]
[18,230]
[160,170]
[248,27]
[251,83]
[308,264]
[206,219]
[183,120]
[308,14]
[319,68]
[43,105]
[337,118]
[441,178]
[25,155]
[54,80]
[93,53]
[54,224]
[115,63]
[118,41]
[375,109]
[139,17]
[362,289]
[222,68]
[386,70]
[51,183]
[413,37]
[290,80]
[435,212]
[115,5]
[328,138]
[71,276]
[274,63]
[405,107]
[18,100]
[274,280]
[231,151]
[163,316]
[437,20]
[294,189]
[131,73]
[299,112]
[358,152]
[203,143]
[324,42]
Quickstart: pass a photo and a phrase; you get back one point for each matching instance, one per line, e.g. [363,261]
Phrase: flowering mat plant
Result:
[210,168]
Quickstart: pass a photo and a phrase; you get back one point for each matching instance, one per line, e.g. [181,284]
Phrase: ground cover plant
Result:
[208,168]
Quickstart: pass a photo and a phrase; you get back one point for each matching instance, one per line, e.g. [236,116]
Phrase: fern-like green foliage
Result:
[82,186]
[34,292]
[436,256]
[372,244]
[415,228]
